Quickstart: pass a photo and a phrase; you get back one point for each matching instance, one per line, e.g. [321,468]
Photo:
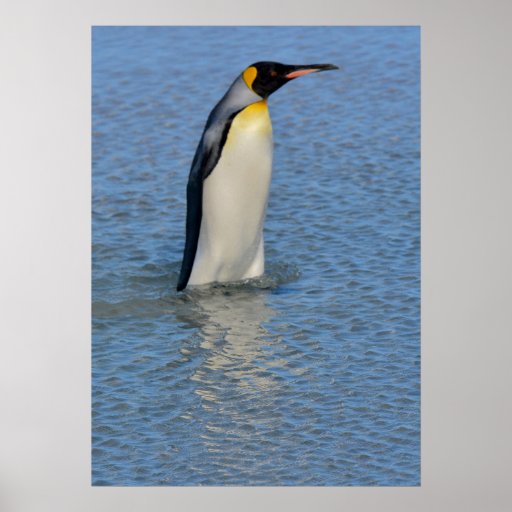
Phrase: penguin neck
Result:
[236,98]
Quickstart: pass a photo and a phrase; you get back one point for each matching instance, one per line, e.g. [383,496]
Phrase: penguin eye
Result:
[273,73]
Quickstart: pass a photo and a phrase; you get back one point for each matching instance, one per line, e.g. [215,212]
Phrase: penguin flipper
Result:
[194,216]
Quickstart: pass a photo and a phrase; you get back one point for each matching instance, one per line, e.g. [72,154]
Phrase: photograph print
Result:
[256,256]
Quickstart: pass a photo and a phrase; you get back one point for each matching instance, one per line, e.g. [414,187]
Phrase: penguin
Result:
[229,179]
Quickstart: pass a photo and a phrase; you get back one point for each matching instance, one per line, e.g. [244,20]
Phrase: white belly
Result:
[235,198]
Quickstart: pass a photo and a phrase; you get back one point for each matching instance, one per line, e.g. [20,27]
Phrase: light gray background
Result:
[45,191]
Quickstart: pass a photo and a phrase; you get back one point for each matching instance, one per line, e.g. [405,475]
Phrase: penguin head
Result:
[264,78]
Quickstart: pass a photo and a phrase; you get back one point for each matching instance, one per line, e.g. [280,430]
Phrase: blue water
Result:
[311,374]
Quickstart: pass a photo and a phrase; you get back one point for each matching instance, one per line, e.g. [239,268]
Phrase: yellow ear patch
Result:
[249,75]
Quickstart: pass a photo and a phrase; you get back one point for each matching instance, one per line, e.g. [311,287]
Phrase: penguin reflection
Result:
[238,345]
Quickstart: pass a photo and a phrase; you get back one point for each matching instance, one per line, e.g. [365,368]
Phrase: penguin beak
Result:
[296,71]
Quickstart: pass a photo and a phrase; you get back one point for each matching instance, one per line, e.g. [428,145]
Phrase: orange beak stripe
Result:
[295,74]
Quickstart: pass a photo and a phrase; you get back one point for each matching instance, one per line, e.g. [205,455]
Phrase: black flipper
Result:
[194,214]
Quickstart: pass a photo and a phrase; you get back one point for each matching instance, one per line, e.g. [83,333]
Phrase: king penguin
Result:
[229,179]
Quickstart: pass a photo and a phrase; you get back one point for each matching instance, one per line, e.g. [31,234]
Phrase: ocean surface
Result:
[309,375]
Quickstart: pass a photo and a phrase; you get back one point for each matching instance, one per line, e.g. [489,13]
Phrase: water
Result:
[311,374]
